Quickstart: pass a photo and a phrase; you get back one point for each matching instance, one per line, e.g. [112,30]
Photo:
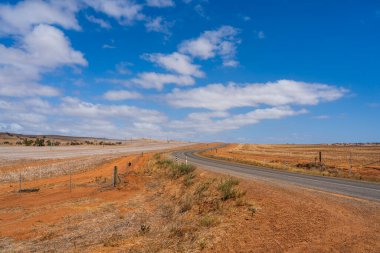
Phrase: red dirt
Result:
[288,218]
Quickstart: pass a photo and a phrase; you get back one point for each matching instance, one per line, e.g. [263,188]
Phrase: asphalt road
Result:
[346,187]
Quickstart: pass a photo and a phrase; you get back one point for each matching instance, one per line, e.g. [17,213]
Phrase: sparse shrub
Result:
[189,179]
[208,221]
[27,142]
[186,204]
[144,229]
[177,171]
[177,230]
[157,156]
[39,142]
[167,211]
[253,210]
[226,187]
[202,244]
[202,188]
[166,163]
[240,202]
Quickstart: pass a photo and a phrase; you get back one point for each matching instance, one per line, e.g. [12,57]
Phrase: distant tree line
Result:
[39,142]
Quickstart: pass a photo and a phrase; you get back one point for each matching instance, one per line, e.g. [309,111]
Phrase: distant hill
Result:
[53,140]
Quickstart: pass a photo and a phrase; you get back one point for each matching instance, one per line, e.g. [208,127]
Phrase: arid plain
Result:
[161,206]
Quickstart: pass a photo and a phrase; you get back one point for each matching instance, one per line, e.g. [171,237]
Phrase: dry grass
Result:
[53,168]
[355,161]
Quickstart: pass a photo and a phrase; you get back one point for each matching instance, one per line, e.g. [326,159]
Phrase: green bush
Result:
[226,187]
[202,188]
[166,163]
[178,170]
[208,221]
[157,156]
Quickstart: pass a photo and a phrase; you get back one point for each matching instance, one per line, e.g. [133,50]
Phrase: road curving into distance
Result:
[359,189]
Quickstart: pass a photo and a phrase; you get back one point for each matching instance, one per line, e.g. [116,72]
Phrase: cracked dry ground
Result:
[150,212]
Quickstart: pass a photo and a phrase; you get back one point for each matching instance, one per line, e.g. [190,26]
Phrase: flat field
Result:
[353,161]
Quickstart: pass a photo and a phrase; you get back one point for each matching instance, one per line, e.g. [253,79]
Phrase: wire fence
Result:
[64,172]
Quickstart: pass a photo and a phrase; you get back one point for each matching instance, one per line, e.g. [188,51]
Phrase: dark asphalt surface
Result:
[346,187]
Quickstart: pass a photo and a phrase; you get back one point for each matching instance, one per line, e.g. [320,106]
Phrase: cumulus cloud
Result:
[43,49]
[221,42]
[211,122]
[176,62]
[160,3]
[221,97]
[115,95]
[158,24]
[20,18]
[152,80]
[125,11]
[77,117]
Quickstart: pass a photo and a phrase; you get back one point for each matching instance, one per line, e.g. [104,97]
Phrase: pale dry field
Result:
[8,153]
[32,163]
[337,160]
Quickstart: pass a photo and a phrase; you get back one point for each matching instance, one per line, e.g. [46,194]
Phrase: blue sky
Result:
[236,71]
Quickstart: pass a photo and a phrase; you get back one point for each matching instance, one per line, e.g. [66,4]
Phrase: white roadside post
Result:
[186,160]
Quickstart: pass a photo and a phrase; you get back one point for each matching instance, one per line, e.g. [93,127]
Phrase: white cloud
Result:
[261,35]
[158,25]
[211,122]
[321,117]
[123,68]
[221,97]
[43,49]
[179,63]
[20,18]
[102,23]
[49,47]
[221,42]
[75,107]
[149,80]
[160,3]
[115,95]
[125,11]
[77,117]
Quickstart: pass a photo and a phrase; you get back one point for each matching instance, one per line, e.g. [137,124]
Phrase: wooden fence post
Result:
[320,157]
[114,176]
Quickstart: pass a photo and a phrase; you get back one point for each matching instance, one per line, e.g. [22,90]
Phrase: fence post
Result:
[320,157]
[114,176]
[350,163]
